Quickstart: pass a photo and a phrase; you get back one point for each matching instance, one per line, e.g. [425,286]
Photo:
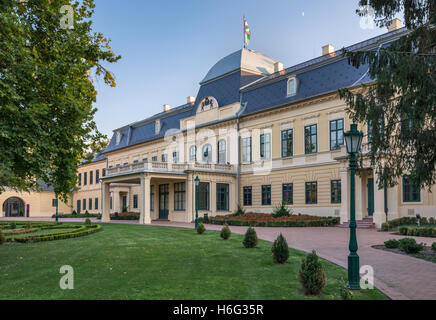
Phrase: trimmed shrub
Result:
[2,238]
[409,245]
[433,246]
[417,231]
[200,228]
[282,211]
[28,225]
[225,232]
[250,238]
[88,222]
[280,250]
[12,225]
[239,212]
[392,244]
[312,275]
[322,222]
[345,292]
[79,231]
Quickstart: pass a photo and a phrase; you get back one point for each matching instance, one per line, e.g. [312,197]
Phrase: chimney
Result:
[166,107]
[394,25]
[278,66]
[190,100]
[328,50]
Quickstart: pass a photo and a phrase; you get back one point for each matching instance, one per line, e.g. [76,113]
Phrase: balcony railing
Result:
[168,167]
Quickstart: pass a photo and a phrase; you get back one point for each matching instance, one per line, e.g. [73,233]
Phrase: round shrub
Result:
[2,238]
[280,250]
[409,245]
[250,238]
[312,275]
[225,232]
[433,246]
[392,244]
[201,229]
[88,222]
[12,225]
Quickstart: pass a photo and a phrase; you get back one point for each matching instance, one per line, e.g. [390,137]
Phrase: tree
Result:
[400,105]
[47,92]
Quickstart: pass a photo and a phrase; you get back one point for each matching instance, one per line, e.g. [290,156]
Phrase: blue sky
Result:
[167,46]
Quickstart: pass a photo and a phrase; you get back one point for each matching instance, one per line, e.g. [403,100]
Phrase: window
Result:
[222,197]
[311,192]
[287,143]
[144,159]
[91,177]
[78,206]
[222,151]
[248,196]
[96,203]
[175,157]
[154,159]
[287,193]
[85,178]
[80,179]
[103,172]
[311,139]
[90,204]
[135,201]
[246,149]
[371,129]
[164,157]
[336,134]
[207,153]
[54,202]
[84,204]
[97,176]
[151,198]
[266,195]
[335,186]
[179,196]
[193,153]
[203,196]
[411,192]
[292,86]
[265,146]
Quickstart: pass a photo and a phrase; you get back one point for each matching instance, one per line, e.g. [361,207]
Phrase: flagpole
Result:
[243,30]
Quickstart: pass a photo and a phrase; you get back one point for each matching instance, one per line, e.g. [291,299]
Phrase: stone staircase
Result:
[366,223]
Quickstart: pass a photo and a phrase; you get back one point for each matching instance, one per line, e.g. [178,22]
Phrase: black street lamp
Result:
[353,140]
[197,183]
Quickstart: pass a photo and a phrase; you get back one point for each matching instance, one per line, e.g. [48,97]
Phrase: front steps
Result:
[366,223]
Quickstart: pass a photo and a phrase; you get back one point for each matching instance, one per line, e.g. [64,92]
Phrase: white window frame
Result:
[246,150]
[209,156]
[267,146]
[222,151]
[294,91]
[193,153]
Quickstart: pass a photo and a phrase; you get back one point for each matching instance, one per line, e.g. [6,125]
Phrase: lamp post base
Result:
[353,272]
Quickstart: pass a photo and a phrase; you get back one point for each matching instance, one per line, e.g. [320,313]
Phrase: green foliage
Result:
[124,209]
[2,238]
[12,225]
[280,250]
[225,232]
[322,222]
[77,231]
[312,275]
[28,225]
[47,92]
[433,246]
[239,212]
[417,231]
[345,292]
[200,228]
[88,222]
[250,238]
[282,211]
[409,245]
[400,104]
[392,244]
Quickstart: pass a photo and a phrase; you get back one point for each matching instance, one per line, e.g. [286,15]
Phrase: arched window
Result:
[193,153]
[292,86]
[222,151]
[13,207]
[207,153]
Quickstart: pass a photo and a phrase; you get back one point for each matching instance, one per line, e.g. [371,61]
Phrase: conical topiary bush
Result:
[280,250]
[250,238]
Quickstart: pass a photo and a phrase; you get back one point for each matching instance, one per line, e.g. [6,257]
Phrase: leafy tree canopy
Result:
[47,91]
[401,104]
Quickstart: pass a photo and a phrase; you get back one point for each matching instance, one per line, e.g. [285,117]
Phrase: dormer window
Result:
[157,127]
[292,86]
[118,137]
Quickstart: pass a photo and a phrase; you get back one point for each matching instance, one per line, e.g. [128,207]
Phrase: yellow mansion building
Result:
[256,134]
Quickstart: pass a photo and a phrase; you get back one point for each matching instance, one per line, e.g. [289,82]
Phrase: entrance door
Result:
[163,201]
[370,197]
[124,208]
[14,207]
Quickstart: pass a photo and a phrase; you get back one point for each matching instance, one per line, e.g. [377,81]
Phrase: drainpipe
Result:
[385,189]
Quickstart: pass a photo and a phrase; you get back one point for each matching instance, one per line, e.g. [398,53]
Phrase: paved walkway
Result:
[398,276]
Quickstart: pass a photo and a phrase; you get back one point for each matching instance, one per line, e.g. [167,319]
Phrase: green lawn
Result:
[143,262]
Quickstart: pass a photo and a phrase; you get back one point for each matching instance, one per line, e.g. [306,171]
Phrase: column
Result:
[116,201]
[345,199]
[359,198]
[379,204]
[105,202]
[145,214]
[189,199]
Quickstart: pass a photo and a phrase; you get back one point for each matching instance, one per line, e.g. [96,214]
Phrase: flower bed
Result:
[125,216]
[267,220]
[407,221]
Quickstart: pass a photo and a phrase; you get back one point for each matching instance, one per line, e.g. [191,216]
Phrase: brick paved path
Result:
[398,276]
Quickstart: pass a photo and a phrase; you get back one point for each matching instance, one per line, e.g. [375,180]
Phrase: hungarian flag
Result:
[247,32]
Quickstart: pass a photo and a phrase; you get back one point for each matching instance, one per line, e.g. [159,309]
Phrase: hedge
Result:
[78,216]
[406,221]
[19,231]
[79,232]
[418,231]
[330,221]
